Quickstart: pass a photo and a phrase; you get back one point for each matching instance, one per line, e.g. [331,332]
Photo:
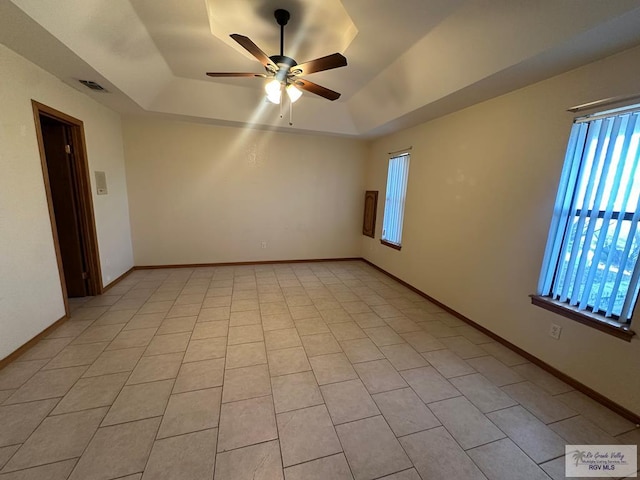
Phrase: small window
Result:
[395,198]
[591,260]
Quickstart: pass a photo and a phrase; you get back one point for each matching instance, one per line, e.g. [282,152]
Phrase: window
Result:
[591,259]
[394,203]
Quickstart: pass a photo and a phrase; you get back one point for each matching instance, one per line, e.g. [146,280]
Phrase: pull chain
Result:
[290,112]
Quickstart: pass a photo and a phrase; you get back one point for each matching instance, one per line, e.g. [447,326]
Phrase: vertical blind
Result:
[395,198]
[591,258]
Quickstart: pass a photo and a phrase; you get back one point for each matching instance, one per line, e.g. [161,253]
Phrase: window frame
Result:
[546,297]
[400,202]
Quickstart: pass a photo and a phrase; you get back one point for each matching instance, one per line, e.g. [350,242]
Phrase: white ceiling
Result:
[409,60]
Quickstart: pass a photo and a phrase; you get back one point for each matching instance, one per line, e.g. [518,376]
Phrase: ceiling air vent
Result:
[93,85]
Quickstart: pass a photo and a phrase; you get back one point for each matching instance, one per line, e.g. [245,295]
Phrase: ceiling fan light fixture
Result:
[293,92]
[274,91]
[283,72]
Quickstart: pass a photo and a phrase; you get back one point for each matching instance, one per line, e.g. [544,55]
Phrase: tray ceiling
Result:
[409,61]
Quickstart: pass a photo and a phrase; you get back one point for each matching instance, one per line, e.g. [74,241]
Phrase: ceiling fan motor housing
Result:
[285,64]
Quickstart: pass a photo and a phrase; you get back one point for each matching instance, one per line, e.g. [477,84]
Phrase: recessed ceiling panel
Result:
[315,29]
[408,60]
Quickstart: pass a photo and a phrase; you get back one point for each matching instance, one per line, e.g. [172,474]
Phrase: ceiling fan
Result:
[284,71]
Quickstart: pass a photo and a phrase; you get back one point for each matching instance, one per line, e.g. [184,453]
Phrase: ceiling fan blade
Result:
[254,50]
[234,74]
[329,62]
[316,89]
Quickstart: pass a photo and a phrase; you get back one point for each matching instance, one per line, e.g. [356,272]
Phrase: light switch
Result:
[101,183]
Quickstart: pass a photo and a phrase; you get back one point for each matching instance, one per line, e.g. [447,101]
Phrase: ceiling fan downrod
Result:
[282,17]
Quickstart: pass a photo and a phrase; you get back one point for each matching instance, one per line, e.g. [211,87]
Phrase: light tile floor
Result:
[296,371]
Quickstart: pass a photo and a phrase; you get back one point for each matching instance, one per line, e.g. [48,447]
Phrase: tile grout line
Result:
[224,365]
[325,404]
[110,406]
[118,395]
[275,414]
[155,437]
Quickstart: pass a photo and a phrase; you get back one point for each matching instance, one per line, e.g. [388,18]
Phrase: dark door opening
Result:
[56,137]
[66,179]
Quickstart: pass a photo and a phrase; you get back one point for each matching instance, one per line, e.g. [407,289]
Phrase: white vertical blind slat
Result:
[599,189]
[597,130]
[564,197]
[612,191]
[397,177]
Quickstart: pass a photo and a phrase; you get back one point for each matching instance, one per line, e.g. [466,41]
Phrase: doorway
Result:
[68,188]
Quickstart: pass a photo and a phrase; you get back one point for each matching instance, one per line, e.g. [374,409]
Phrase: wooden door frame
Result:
[87,218]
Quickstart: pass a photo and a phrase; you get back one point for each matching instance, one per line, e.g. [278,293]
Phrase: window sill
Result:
[595,321]
[392,245]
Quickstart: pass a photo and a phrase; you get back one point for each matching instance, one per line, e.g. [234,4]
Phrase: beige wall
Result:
[204,194]
[482,184]
[30,292]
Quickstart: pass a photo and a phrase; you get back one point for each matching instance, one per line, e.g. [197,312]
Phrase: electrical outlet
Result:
[554,331]
[263,244]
